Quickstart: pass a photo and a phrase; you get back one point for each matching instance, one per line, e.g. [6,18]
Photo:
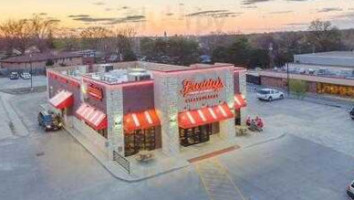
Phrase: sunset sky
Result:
[153,17]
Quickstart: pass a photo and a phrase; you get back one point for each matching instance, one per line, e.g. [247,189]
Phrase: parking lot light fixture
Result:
[30,56]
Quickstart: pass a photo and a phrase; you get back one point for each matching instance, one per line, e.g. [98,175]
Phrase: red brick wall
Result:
[282,83]
[137,98]
[312,87]
[273,82]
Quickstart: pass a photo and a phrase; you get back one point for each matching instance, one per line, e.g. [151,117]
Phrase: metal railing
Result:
[121,161]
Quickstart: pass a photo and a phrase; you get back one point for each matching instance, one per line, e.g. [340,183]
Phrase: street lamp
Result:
[287,78]
[31,71]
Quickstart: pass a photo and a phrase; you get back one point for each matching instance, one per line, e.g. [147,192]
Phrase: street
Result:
[313,161]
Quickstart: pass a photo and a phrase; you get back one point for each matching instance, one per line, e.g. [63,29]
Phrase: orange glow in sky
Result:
[185,17]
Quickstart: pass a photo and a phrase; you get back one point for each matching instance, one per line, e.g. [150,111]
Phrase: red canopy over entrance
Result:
[63,99]
[141,120]
[93,117]
[204,116]
[240,101]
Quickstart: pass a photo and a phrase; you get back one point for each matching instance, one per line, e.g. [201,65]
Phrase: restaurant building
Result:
[127,107]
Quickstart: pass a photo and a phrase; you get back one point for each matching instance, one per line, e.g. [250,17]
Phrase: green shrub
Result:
[298,88]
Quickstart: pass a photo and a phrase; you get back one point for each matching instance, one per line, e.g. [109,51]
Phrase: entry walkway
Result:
[217,182]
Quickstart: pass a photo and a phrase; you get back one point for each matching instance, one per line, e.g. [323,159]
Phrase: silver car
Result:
[25,75]
[269,94]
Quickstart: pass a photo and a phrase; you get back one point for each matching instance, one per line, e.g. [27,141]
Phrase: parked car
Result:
[350,190]
[352,113]
[49,121]
[269,94]
[25,75]
[14,75]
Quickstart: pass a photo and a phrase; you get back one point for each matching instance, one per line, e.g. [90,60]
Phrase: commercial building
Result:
[39,61]
[325,73]
[128,107]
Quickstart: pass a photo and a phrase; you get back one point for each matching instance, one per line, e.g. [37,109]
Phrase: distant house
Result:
[40,61]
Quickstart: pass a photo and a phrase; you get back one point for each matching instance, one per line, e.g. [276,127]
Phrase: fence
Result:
[121,161]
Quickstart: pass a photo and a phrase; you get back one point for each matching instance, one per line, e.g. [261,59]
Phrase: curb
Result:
[13,116]
[109,165]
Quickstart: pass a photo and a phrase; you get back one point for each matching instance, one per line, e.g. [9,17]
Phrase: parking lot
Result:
[313,161]
[6,83]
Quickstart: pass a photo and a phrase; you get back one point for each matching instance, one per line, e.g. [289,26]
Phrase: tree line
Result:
[253,50]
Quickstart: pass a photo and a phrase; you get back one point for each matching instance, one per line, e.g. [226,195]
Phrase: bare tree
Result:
[17,34]
[21,34]
[95,38]
[323,36]
[42,31]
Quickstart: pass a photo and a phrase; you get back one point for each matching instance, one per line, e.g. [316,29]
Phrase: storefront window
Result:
[103,132]
[195,135]
[332,89]
[142,139]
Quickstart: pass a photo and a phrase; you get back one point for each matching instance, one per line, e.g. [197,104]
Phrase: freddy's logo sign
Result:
[209,85]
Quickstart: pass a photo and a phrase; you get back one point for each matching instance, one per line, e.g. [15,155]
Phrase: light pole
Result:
[287,78]
[31,71]
[270,48]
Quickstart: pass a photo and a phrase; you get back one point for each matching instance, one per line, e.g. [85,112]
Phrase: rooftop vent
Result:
[138,74]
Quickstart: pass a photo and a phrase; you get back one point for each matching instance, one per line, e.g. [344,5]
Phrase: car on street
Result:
[49,121]
[350,190]
[352,113]
[269,94]
[14,76]
[25,75]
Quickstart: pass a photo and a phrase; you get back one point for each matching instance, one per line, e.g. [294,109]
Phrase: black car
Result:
[352,113]
[14,76]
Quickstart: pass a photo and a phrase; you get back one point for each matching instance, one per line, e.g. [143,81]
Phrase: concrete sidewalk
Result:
[11,125]
[164,163]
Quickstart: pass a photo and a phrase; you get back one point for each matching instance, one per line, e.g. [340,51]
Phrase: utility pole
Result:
[31,72]
[287,78]
[271,61]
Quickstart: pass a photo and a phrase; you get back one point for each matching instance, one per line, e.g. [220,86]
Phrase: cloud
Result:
[324,10]
[248,2]
[99,3]
[92,19]
[128,19]
[77,16]
[214,13]
[297,24]
[281,12]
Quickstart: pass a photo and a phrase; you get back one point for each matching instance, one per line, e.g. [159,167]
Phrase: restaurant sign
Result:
[197,91]
[95,92]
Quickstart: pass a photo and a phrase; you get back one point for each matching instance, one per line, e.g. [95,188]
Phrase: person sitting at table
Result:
[248,121]
[259,122]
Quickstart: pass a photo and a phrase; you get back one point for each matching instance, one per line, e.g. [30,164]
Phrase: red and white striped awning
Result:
[93,117]
[240,101]
[204,116]
[141,120]
[62,100]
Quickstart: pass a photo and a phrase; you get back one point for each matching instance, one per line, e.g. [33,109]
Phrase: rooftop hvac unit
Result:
[138,74]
